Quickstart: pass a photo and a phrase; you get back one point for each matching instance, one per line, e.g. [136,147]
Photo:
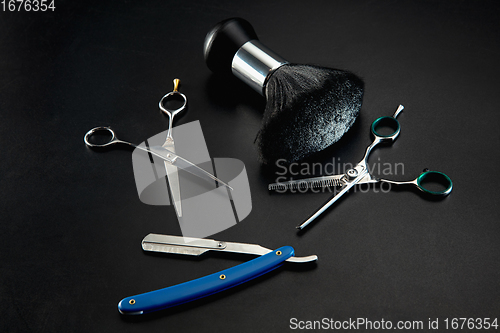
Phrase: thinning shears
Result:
[360,174]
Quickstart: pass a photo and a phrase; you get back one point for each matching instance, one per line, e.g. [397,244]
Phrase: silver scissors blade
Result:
[164,153]
[197,171]
[324,181]
[173,177]
[359,172]
[184,164]
[198,246]
[368,179]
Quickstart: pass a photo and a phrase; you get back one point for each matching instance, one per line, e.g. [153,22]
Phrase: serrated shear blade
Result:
[316,182]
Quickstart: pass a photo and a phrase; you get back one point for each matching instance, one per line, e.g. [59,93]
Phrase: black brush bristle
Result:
[308,109]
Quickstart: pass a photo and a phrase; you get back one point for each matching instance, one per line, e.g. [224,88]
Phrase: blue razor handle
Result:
[205,286]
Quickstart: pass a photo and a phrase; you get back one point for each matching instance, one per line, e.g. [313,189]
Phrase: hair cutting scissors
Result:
[166,152]
[172,174]
[161,152]
[360,174]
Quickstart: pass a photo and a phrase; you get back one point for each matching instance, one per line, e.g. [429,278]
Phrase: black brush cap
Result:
[224,40]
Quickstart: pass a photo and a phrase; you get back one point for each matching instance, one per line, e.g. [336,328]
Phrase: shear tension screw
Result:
[352,173]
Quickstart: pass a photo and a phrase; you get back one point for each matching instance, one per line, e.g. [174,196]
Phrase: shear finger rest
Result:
[386,128]
[427,179]
[101,130]
[173,99]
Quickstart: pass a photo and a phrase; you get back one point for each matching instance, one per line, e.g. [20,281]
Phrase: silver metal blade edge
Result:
[173,178]
[184,164]
[198,246]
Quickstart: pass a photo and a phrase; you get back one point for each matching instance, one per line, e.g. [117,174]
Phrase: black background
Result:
[72,223]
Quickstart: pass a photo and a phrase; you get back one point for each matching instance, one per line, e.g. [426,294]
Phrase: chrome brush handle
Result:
[232,45]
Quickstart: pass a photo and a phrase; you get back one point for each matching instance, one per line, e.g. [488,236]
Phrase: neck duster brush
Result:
[308,108]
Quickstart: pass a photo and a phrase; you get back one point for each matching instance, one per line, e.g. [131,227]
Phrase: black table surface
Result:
[72,222]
